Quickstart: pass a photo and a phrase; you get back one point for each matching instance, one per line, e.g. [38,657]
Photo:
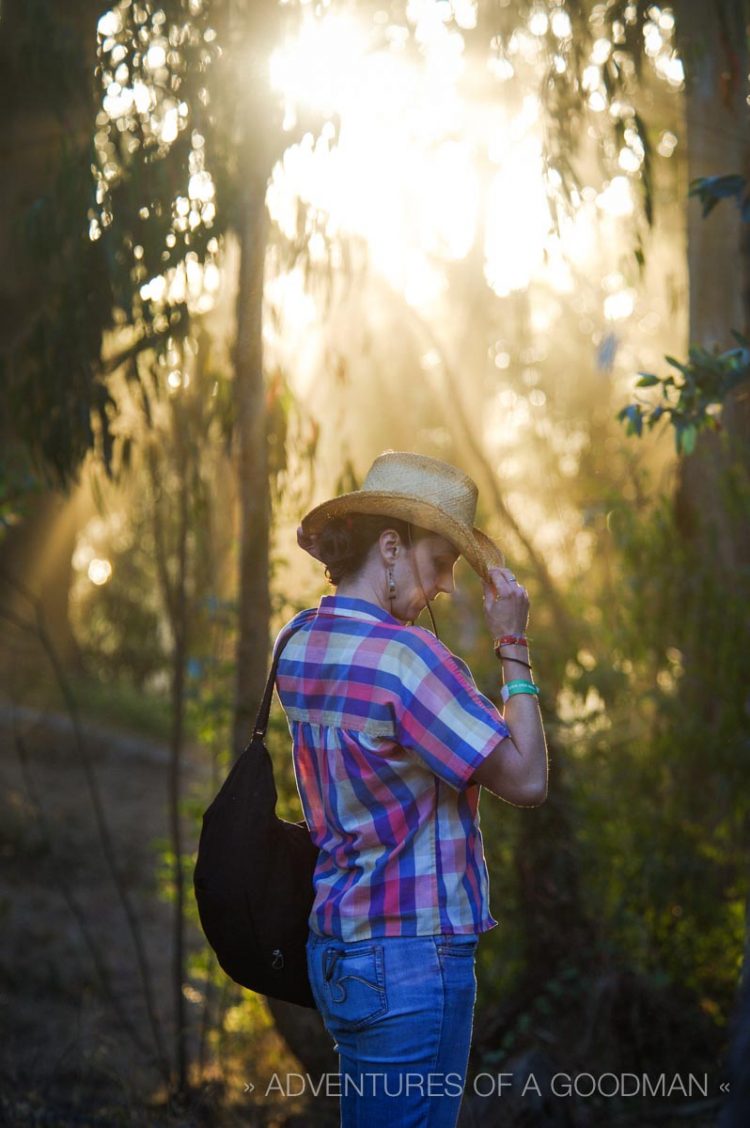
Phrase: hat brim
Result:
[480,552]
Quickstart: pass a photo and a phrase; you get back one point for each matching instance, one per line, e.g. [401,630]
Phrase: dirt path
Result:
[65,1055]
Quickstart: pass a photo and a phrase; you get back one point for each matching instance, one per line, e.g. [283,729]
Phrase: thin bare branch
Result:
[38,629]
[77,912]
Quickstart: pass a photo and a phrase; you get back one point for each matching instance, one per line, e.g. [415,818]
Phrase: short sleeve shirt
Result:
[388,729]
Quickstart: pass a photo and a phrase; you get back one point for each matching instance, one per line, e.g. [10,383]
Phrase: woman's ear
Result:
[390,542]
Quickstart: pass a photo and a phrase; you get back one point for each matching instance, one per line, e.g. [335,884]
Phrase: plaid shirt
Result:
[388,729]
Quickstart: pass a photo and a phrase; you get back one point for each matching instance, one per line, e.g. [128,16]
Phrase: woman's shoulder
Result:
[421,661]
[295,624]
[419,643]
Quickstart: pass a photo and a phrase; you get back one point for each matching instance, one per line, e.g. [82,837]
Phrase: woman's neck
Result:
[363,587]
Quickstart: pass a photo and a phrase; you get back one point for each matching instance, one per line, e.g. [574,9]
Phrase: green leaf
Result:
[686,438]
[633,418]
[711,189]
[647,380]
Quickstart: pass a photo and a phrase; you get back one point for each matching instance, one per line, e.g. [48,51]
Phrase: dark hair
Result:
[344,542]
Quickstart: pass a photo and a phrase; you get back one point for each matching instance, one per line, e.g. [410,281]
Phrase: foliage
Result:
[119,624]
[122,705]
[690,402]
[668,754]
[708,378]
[147,152]
[18,483]
[573,73]
[55,399]
[711,190]
[169,183]
[49,364]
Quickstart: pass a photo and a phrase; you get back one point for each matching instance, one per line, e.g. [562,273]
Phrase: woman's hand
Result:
[506,604]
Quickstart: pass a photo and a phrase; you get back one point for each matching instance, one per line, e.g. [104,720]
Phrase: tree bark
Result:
[254,610]
[712,41]
[180,651]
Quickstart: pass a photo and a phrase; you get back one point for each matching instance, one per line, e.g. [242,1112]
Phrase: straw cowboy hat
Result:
[426,492]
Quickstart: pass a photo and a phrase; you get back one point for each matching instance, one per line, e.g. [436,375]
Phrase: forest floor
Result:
[77,1045]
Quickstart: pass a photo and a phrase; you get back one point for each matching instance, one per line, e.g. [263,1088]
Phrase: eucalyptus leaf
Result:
[687,437]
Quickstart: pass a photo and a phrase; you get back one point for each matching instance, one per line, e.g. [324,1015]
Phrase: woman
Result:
[391,742]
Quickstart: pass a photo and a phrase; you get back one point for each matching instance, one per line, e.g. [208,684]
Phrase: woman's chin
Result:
[411,613]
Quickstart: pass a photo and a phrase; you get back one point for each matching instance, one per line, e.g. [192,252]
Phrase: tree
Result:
[713,43]
[714,489]
[54,292]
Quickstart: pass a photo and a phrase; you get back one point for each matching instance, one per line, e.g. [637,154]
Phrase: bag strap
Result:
[261,721]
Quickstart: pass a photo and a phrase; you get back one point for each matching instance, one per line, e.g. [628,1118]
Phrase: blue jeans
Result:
[400,1010]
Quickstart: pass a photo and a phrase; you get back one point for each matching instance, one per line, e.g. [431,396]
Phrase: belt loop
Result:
[329,964]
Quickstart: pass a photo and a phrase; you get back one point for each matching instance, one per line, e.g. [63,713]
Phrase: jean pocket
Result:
[354,986]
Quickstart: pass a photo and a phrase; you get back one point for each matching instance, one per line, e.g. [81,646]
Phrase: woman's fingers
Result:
[506,603]
[504,582]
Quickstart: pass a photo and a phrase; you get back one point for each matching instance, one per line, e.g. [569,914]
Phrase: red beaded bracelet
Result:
[510,640]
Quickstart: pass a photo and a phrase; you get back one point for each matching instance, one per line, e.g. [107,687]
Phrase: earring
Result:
[391,583]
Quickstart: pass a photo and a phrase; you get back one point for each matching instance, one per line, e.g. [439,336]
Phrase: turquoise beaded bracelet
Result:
[511,688]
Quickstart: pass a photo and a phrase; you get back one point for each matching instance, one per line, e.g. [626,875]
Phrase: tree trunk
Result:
[253,27]
[180,651]
[713,44]
[252,460]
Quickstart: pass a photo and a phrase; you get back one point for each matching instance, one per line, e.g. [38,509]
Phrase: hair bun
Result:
[344,542]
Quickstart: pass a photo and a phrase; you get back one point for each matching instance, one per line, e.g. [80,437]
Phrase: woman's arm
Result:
[516,769]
